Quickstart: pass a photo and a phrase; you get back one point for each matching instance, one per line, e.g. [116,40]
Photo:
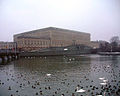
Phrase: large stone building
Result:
[50,37]
[8,45]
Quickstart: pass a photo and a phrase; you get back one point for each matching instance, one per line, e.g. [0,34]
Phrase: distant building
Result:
[8,45]
[103,43]
[50,37]
[94,44]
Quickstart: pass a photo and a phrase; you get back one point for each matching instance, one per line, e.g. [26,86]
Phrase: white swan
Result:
[102,78]
[80,90]
[48,74]
[103,83]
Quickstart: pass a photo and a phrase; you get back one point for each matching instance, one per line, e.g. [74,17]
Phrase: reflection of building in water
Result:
[50,37]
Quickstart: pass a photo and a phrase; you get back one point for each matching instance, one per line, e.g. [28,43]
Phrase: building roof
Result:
[50,28]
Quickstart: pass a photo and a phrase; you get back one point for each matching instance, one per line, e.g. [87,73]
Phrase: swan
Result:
[80,90]
[48,74]
[102,78]
[103,83]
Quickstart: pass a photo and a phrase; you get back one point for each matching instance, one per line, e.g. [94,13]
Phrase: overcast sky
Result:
[100,18]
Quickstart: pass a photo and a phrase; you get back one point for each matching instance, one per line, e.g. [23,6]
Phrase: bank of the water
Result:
[109,53]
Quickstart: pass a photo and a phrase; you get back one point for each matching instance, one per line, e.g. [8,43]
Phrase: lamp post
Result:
[7,47]
[111,48]
[15,45]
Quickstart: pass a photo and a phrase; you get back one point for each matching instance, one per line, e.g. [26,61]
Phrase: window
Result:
[25,41]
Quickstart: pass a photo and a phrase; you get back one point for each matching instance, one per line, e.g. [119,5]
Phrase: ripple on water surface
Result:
[91,75]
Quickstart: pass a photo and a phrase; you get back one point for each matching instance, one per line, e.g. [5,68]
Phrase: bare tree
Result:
[114,41]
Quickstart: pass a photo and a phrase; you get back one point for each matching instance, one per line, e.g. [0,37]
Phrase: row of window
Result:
[45,43]
[7,45]
[36,42]
[28,42]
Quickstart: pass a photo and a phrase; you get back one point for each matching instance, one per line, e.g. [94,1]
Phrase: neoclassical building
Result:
[50,37]
[7,45]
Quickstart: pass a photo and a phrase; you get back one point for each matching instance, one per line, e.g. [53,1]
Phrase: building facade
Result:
[32,43]
[8,45]
[94,44]
[50,37]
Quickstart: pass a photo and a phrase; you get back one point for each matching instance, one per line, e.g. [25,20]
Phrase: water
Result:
[28,76]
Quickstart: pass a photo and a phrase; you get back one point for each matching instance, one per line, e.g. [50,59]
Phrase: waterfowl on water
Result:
[80,90]
[48,74]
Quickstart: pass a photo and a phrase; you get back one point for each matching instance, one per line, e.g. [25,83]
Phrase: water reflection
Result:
[61,75]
